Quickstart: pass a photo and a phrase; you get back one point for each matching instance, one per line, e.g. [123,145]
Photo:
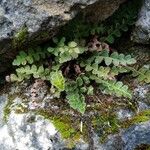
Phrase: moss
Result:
[141,117]
[107,123]
[7,108]
[65,125]
[20,37]
[19,108]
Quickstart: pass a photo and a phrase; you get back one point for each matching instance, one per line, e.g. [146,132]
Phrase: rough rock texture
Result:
[141,33]
[24,22]
[129,139]
[25,131]
[28,131]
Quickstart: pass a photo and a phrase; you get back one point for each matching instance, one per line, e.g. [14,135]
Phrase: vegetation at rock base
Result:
[73,69]
[80,63]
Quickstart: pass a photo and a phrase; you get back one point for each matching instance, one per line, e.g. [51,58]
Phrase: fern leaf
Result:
[57,80]
[18,78]
[76,101]
[66,52]
[116,59]
[143,74]
[23,58]
[113,87]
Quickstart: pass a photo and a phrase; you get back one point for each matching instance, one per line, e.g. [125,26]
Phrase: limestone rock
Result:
[25,130]
[141,32]
[129,139]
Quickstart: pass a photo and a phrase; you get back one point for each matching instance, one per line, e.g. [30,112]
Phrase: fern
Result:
[143,74]
[76,90]
[23,58]
[27,71]
[113,87]
[114,58]
[76,101]
[57,80]
[109,30]
[120,22]
[57,67]
[67,52]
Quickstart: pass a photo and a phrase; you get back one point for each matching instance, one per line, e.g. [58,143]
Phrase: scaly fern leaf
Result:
[29,57]
[65,52]
[113,87]
[76,101]
[143,74]
[57,80]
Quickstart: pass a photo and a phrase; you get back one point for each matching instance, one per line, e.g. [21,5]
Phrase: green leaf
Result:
[16,62]
[90,90]
[88,68]
[77,101]
[79,81]
[143,74]
[57,80]
[83,89]
[117,33]
[50,50]
[72,44]
[113,87]
[108,61]
[29,59]
[110,39]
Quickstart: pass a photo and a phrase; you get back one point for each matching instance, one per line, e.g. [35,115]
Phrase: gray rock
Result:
[136,135]
[24,22]
[3,100]
[123,114]
[27,132]
[129,139]
[141,33]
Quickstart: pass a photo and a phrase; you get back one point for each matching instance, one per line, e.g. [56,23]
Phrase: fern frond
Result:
[76,101]
[57,80]
[19,77]
[67,52]
[27,71]
[143,74]
[115,58]
[113,87]
[105,72]
[29,57]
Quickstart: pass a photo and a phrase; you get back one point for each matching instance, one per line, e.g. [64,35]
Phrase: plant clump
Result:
[74,72]
[77,68]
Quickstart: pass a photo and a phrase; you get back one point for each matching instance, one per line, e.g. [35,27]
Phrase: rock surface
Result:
[129,139]
[24,22]
[22,134]
[141,33]
[29,131]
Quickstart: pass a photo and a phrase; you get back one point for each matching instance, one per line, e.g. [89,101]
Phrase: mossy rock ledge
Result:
[109,123]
